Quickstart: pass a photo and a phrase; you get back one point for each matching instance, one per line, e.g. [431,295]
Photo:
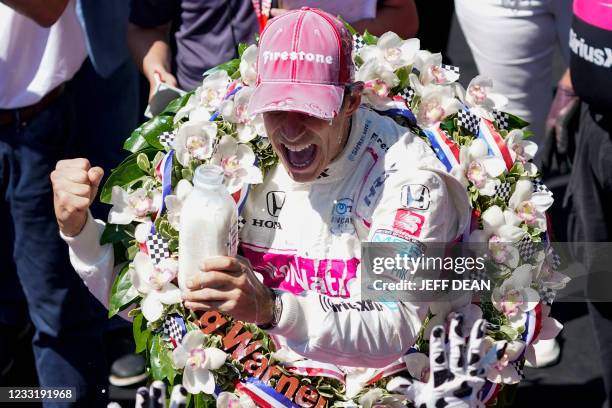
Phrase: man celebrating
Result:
[346,175]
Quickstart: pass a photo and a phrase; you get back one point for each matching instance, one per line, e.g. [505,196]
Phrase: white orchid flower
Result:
[142,232]
[391,49]
[437,102]
[549,329]
[197,361]
[480,99]
[207,98]
[231,400]
[547,276]
[235,110]
[477,167]
[154,283]
[238,163]
[522,150]
[430,72]
[174,202]
[195,140]
[515,296]
[134,206]
[378,79]
[502,371]
[529,207]
[499,232]
[248,65]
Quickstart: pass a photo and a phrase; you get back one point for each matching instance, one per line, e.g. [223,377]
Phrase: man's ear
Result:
[354,98]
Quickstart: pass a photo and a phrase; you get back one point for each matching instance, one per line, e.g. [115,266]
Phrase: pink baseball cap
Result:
[303,64]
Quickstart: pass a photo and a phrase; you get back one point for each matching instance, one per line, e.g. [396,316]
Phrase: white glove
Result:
[457,374]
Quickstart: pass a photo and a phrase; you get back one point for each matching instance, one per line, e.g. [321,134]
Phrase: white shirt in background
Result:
[34,60]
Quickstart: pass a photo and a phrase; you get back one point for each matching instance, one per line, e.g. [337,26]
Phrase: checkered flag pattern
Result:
[166,139]
[158,248]
[554,260]
[451,68]
[547,295]
[407,94]
[173,327]
[469,121]
[540,187]
[502,191]
[519,368]
[526,247]
[501,118]
[358,42]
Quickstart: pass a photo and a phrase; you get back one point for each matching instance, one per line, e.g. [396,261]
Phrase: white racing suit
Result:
[305,239]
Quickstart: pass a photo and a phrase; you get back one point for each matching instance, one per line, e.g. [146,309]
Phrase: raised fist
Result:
[75,184]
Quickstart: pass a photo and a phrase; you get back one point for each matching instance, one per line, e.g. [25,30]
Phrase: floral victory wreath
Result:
[218,358]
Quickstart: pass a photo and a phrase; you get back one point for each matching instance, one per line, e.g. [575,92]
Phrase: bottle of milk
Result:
[208,223]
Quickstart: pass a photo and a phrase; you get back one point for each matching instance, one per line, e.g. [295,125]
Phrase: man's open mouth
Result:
[300,156]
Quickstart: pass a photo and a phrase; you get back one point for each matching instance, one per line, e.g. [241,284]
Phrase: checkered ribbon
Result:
[407,94]
[547,295]
[468,121]
[518,365]
[158,248]
[358,42]
[540,187]
[501,118]
[554,260]
[166,139]
[526,247]
[174,329]
[450,68]
[502,191]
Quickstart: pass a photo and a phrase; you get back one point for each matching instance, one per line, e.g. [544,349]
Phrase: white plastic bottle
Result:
[208,224]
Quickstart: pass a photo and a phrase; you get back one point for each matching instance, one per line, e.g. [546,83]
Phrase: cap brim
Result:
[321,101]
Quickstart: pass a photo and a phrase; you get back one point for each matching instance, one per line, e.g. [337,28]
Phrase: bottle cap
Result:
[208,175]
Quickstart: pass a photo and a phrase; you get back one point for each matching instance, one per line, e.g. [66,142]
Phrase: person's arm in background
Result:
[149,38]
[44,12]
[151,52]
[399,16]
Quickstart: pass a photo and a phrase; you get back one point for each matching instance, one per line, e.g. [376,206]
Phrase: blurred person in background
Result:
[177,41]
[589,193]
[513,43]
[376,16]
[106,97]
[42,47]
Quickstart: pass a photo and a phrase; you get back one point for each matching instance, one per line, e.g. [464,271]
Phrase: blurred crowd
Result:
[77,75]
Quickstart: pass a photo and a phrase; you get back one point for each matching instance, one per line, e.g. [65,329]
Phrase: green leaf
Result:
[126,173]
[241,48]
[230,67]
[403,73]
[141,332]
[514,122]
[176,104]
[161,361]
[152,129]
[369,39]
[143,162]
[131,252]
[136,141]
[116,233]
[120,296]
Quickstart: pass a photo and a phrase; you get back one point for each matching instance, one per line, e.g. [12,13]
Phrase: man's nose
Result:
[293,126]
